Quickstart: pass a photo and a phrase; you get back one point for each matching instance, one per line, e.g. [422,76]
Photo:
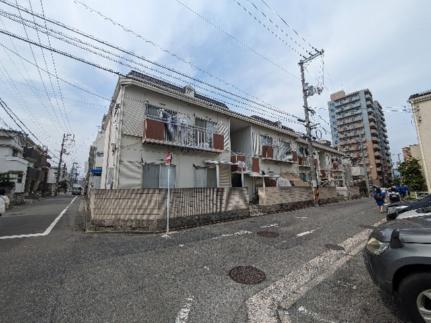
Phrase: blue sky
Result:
[378,45]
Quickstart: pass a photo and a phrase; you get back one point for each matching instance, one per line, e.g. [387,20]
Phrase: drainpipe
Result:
[218,174]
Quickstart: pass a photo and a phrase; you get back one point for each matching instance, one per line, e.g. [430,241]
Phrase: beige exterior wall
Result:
[126,152]
[422,114]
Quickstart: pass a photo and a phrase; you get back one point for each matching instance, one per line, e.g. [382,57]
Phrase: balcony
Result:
[185,136]
[373,125]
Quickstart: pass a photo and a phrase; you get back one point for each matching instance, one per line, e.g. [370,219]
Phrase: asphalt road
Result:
[33,218]
[71,276]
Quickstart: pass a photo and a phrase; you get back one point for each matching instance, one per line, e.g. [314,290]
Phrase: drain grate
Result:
[366,226]
[268,234]
[334,247]
[248,275]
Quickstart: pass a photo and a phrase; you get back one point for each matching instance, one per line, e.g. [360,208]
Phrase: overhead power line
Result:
[53,34]
[21,125]
[54,92]
[235,39]
[288,25]
[53,65]
[59,78]
[155,45]
[267,28]
[82,60]
[59,120]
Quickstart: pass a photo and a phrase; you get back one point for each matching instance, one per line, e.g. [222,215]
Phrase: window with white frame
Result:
[156,176]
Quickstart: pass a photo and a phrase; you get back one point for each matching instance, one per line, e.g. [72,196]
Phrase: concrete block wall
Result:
[145,209]
[283,195]
[286,195]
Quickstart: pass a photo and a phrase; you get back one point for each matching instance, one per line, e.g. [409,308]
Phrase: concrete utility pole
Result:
[307,91]
[66,137]
[364,165]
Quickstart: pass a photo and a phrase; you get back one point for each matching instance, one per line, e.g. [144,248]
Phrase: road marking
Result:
[262,307]
[305,312]
[305,233]
[183,314]
[226,235]
[44,233]
[269,226]
[301,217]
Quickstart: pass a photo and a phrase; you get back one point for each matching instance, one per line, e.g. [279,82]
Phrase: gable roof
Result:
[136,75]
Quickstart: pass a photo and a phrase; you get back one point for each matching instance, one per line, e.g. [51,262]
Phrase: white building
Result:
[212,146]
[13,166]
[95,162]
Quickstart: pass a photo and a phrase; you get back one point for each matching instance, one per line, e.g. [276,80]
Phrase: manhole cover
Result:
[268,234]
[334,247]
[247,275]
[366,226]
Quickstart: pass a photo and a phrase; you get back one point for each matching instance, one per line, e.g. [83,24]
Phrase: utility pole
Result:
[364,165]
[307,91]
[66,137]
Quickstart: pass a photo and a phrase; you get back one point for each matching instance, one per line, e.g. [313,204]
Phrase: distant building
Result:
[13,166]
[95,160]
[24,165]
[421,106]
[358,128]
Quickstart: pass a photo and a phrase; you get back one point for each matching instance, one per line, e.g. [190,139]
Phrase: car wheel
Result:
[415,297]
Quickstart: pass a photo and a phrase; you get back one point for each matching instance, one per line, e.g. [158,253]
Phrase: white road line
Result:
[262,307]
[226,235]
[183,314]
[269,226]
[305,233]
[44,233]
[305,312]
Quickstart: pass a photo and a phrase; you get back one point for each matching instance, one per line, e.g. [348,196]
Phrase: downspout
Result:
[120,135]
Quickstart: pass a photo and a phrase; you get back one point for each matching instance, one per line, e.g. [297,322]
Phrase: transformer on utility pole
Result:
[307,91]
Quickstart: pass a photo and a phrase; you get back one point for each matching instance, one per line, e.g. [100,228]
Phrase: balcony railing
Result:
[182,135]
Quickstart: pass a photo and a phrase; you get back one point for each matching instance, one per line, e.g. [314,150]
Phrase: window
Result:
[285,152]
[154,112]
[19,178]
[15,152]
[156,176]
[205,177]
[265,140]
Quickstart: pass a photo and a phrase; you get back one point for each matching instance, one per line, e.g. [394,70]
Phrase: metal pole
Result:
[308,127]
[367,181]
[168,200]
[57,181]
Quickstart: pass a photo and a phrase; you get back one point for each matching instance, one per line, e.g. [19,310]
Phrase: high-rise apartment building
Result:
[358,129]
[421,105]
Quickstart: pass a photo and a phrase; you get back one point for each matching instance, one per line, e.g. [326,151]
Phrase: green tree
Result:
[411,174]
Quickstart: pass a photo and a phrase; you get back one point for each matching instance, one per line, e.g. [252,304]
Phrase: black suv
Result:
[394,209]
[398,258]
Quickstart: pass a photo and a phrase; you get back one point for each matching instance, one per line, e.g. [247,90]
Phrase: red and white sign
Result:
[168,159]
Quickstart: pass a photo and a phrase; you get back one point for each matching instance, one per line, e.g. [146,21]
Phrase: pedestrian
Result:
[379,197]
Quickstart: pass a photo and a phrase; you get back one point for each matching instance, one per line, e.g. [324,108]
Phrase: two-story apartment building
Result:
[150,118]
[212,146]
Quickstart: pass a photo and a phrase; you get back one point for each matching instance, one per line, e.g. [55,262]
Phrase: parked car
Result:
[2,207]
[398,258]
[76,190]
[393,210]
